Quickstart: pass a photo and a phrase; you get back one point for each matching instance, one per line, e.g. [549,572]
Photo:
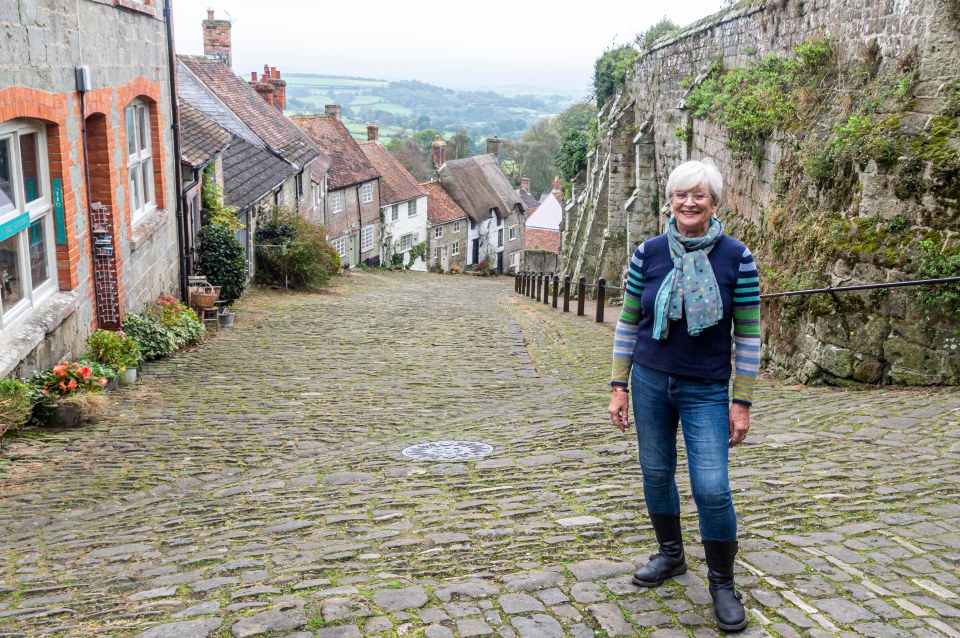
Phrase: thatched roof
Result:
[478,184]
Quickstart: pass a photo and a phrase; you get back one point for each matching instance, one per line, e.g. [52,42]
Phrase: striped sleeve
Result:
[625,337]
[746,330]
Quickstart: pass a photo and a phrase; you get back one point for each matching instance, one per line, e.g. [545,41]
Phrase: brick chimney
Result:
[557,191]
[493,147]
[525,183]
[279,88]
[439,153]
[373,132]
[263,87]
[332,109]
[216,38]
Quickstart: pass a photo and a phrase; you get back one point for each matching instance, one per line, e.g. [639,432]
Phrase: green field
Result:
[332,82]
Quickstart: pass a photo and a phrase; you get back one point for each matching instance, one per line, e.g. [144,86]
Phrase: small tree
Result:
[293,252]
[221,257]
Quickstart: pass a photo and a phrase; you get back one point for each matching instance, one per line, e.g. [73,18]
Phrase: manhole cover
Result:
[447,451]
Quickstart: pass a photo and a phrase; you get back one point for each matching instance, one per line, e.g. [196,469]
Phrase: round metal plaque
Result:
[448,451]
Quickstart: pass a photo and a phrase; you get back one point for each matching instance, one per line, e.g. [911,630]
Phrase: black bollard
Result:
[601,298]
[566,293]
[581,294]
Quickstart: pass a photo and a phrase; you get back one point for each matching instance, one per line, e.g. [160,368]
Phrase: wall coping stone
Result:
[24,337]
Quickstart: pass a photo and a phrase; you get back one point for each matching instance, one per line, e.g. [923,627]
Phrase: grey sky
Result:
[540,43]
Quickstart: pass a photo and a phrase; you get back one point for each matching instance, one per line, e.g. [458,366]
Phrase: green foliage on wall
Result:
[610,72]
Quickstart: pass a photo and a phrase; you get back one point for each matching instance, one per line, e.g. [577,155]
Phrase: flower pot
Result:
[226,319]
[54,415]
[129,376]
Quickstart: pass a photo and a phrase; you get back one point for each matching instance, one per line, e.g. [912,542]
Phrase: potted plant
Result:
[67,394]
[115,349]
[15,404]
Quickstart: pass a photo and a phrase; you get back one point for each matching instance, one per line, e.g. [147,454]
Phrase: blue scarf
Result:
[691,287]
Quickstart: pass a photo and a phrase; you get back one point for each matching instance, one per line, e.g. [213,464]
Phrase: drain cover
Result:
[448,451]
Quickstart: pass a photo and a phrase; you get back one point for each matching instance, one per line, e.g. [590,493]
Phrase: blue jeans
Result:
[660,402]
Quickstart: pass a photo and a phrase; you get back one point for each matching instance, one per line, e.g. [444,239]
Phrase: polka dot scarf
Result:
[691,287]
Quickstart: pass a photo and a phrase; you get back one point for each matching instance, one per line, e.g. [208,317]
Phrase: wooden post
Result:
[581,294]
[525,283]
[556,289]
[546,289]
[539,284]
[516,282]
[566,293]
[601,298]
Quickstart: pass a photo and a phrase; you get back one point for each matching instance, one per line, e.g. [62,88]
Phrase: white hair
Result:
[694,173]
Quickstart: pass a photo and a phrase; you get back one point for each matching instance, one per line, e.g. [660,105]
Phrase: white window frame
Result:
[317,188]
[499,237]
[456,226]
[139,133]
[437,232]
[513,233]
[336,202]
[456,248]
[436,252]
[412,208]
[366,237]
[39,210]
[407,241]
[395,212]
[340,245]
[366,192]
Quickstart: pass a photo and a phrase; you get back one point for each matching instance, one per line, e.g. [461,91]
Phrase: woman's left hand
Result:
[739,423]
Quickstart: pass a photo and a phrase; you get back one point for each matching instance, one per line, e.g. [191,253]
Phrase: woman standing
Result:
[685,290]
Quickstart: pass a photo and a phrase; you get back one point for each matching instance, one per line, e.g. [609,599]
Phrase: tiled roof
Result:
[528,212]
[528,200]
[538,239]
[396,183]
[348,164]
[266,121]
[478,184]
[200,137]
[251,172]
[440,206]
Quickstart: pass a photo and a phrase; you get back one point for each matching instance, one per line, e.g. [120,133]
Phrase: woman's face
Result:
[693,210]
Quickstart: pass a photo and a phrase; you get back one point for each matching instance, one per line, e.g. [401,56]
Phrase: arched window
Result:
[27,253]
[139,159]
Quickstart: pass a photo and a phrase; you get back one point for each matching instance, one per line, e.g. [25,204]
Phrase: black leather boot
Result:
[726,600]
[670,560]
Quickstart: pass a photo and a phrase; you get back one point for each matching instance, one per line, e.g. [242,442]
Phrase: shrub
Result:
[295,252]
[114,349]
[942,300]
[164,328]
[221,257]
[15,404]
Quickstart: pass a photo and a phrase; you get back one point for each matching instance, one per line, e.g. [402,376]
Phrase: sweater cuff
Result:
[743,402]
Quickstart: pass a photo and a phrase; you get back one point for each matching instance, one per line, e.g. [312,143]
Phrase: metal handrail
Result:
[832,289]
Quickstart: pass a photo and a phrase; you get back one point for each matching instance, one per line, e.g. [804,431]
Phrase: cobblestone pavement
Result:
[257,485]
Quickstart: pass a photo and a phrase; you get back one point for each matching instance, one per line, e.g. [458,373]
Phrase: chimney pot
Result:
[373,132]
[253,76]
[525,183]
[209,13]
[332,109]
[439,153]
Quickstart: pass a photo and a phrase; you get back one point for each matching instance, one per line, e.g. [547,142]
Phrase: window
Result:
[513,233]
[299,182]
[336,202]
[406,241]
[316,194]
[27,253]
[366,238]
[500,237]
[456,248]
[367,192]
[436,252]
[515,260]
[412,209]
[139,159]
[438,232]
[395,212]
[456,227]
[340,245]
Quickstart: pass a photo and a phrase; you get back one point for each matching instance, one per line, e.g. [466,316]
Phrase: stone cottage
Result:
[88,175]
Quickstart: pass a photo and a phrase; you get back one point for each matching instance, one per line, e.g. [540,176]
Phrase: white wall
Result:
[405,224]
[487,232]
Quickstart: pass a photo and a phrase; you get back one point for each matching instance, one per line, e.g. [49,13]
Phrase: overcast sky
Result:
[548,44]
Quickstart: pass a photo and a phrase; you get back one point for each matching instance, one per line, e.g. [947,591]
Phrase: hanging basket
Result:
[204,296]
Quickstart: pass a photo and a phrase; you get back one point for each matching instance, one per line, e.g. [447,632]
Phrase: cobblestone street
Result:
[256,485]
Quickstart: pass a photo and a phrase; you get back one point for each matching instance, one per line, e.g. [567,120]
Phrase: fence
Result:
[532,284]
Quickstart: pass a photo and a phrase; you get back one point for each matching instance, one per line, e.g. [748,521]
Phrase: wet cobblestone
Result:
[256,486]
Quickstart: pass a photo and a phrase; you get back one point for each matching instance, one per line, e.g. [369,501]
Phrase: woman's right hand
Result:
[619,409]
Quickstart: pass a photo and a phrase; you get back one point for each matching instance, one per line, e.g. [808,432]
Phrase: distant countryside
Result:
[401,108]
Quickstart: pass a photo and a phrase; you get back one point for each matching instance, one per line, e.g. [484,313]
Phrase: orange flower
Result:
[44,390]
[63,386]
[60,370]
[103,381]
[85,372]
[72,385]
